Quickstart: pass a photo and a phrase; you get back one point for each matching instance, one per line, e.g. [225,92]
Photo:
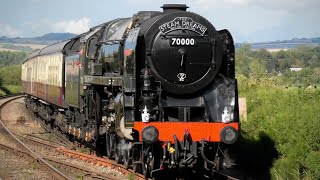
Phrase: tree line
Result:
[261,64]
[8,58]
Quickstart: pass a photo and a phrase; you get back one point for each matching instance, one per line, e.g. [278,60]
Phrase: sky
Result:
[247,20]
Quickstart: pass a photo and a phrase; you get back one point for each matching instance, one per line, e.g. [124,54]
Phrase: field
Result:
[4,49]
[33,46]
[277,49]
[20,47]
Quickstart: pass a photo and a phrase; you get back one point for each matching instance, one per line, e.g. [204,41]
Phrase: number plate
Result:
[183,42]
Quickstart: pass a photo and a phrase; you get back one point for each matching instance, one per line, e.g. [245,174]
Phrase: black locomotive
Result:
[156,92]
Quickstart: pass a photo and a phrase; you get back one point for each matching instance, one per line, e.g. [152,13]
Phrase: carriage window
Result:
[116,30]
[73,46]
[92,48]
[76,46]
[110,58]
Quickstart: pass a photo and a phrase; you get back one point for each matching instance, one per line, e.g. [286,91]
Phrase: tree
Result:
[281,54]
[243,59]
[11,75]
[257,68]
[245,49]
[262,54]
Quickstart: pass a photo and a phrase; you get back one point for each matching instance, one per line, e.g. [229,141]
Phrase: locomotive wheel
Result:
[126,159]
[145,170]
[108,145]
[148,166]
[117,155]
[151,164]
[136,167]
[117,158]
[136,159]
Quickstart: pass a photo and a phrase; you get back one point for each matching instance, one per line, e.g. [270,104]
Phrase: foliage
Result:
[290,118]
[10,58]
[10,89]
[11,75]
[10,71]
[283,109]
[131,176]
[13,88]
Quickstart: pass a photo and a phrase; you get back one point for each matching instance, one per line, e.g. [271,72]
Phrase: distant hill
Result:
[285,44]
[55,37]
[45,39]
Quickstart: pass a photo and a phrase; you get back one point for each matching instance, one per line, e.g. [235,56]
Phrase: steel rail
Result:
[54,172]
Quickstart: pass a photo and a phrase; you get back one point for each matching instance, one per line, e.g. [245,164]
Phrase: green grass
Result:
[131,176]
[84,150]
[34,165]
[79,177]
[10,89]
[13,88]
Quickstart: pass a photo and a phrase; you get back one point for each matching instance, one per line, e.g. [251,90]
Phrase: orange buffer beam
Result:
[208,131]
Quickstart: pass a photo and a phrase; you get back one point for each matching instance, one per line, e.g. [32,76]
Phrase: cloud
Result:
[9,31]
[73,26]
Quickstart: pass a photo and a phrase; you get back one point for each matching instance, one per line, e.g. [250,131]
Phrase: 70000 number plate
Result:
[183,42]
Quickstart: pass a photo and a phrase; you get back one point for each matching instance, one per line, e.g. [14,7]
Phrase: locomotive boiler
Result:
[156,91]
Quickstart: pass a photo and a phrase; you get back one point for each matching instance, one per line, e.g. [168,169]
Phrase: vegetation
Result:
[275,66]
[281,135]
[11,75]
[8,58]
[131,176]
[10,71]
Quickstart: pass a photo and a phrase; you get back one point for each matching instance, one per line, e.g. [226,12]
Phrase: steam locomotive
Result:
[156,91]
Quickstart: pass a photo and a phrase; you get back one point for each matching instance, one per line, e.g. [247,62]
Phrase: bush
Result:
[11,75]
[290,117]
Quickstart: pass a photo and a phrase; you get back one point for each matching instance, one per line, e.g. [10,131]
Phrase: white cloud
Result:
[9,31]
[73,26]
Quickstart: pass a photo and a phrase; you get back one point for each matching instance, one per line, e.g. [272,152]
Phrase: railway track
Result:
[54,167]
[63,139]
[51,170]
[84,157]
[101,161]
[68,149]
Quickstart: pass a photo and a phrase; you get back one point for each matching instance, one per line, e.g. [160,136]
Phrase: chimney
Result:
[174,7]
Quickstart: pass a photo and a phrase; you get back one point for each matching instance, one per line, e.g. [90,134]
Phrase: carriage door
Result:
[72,76]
